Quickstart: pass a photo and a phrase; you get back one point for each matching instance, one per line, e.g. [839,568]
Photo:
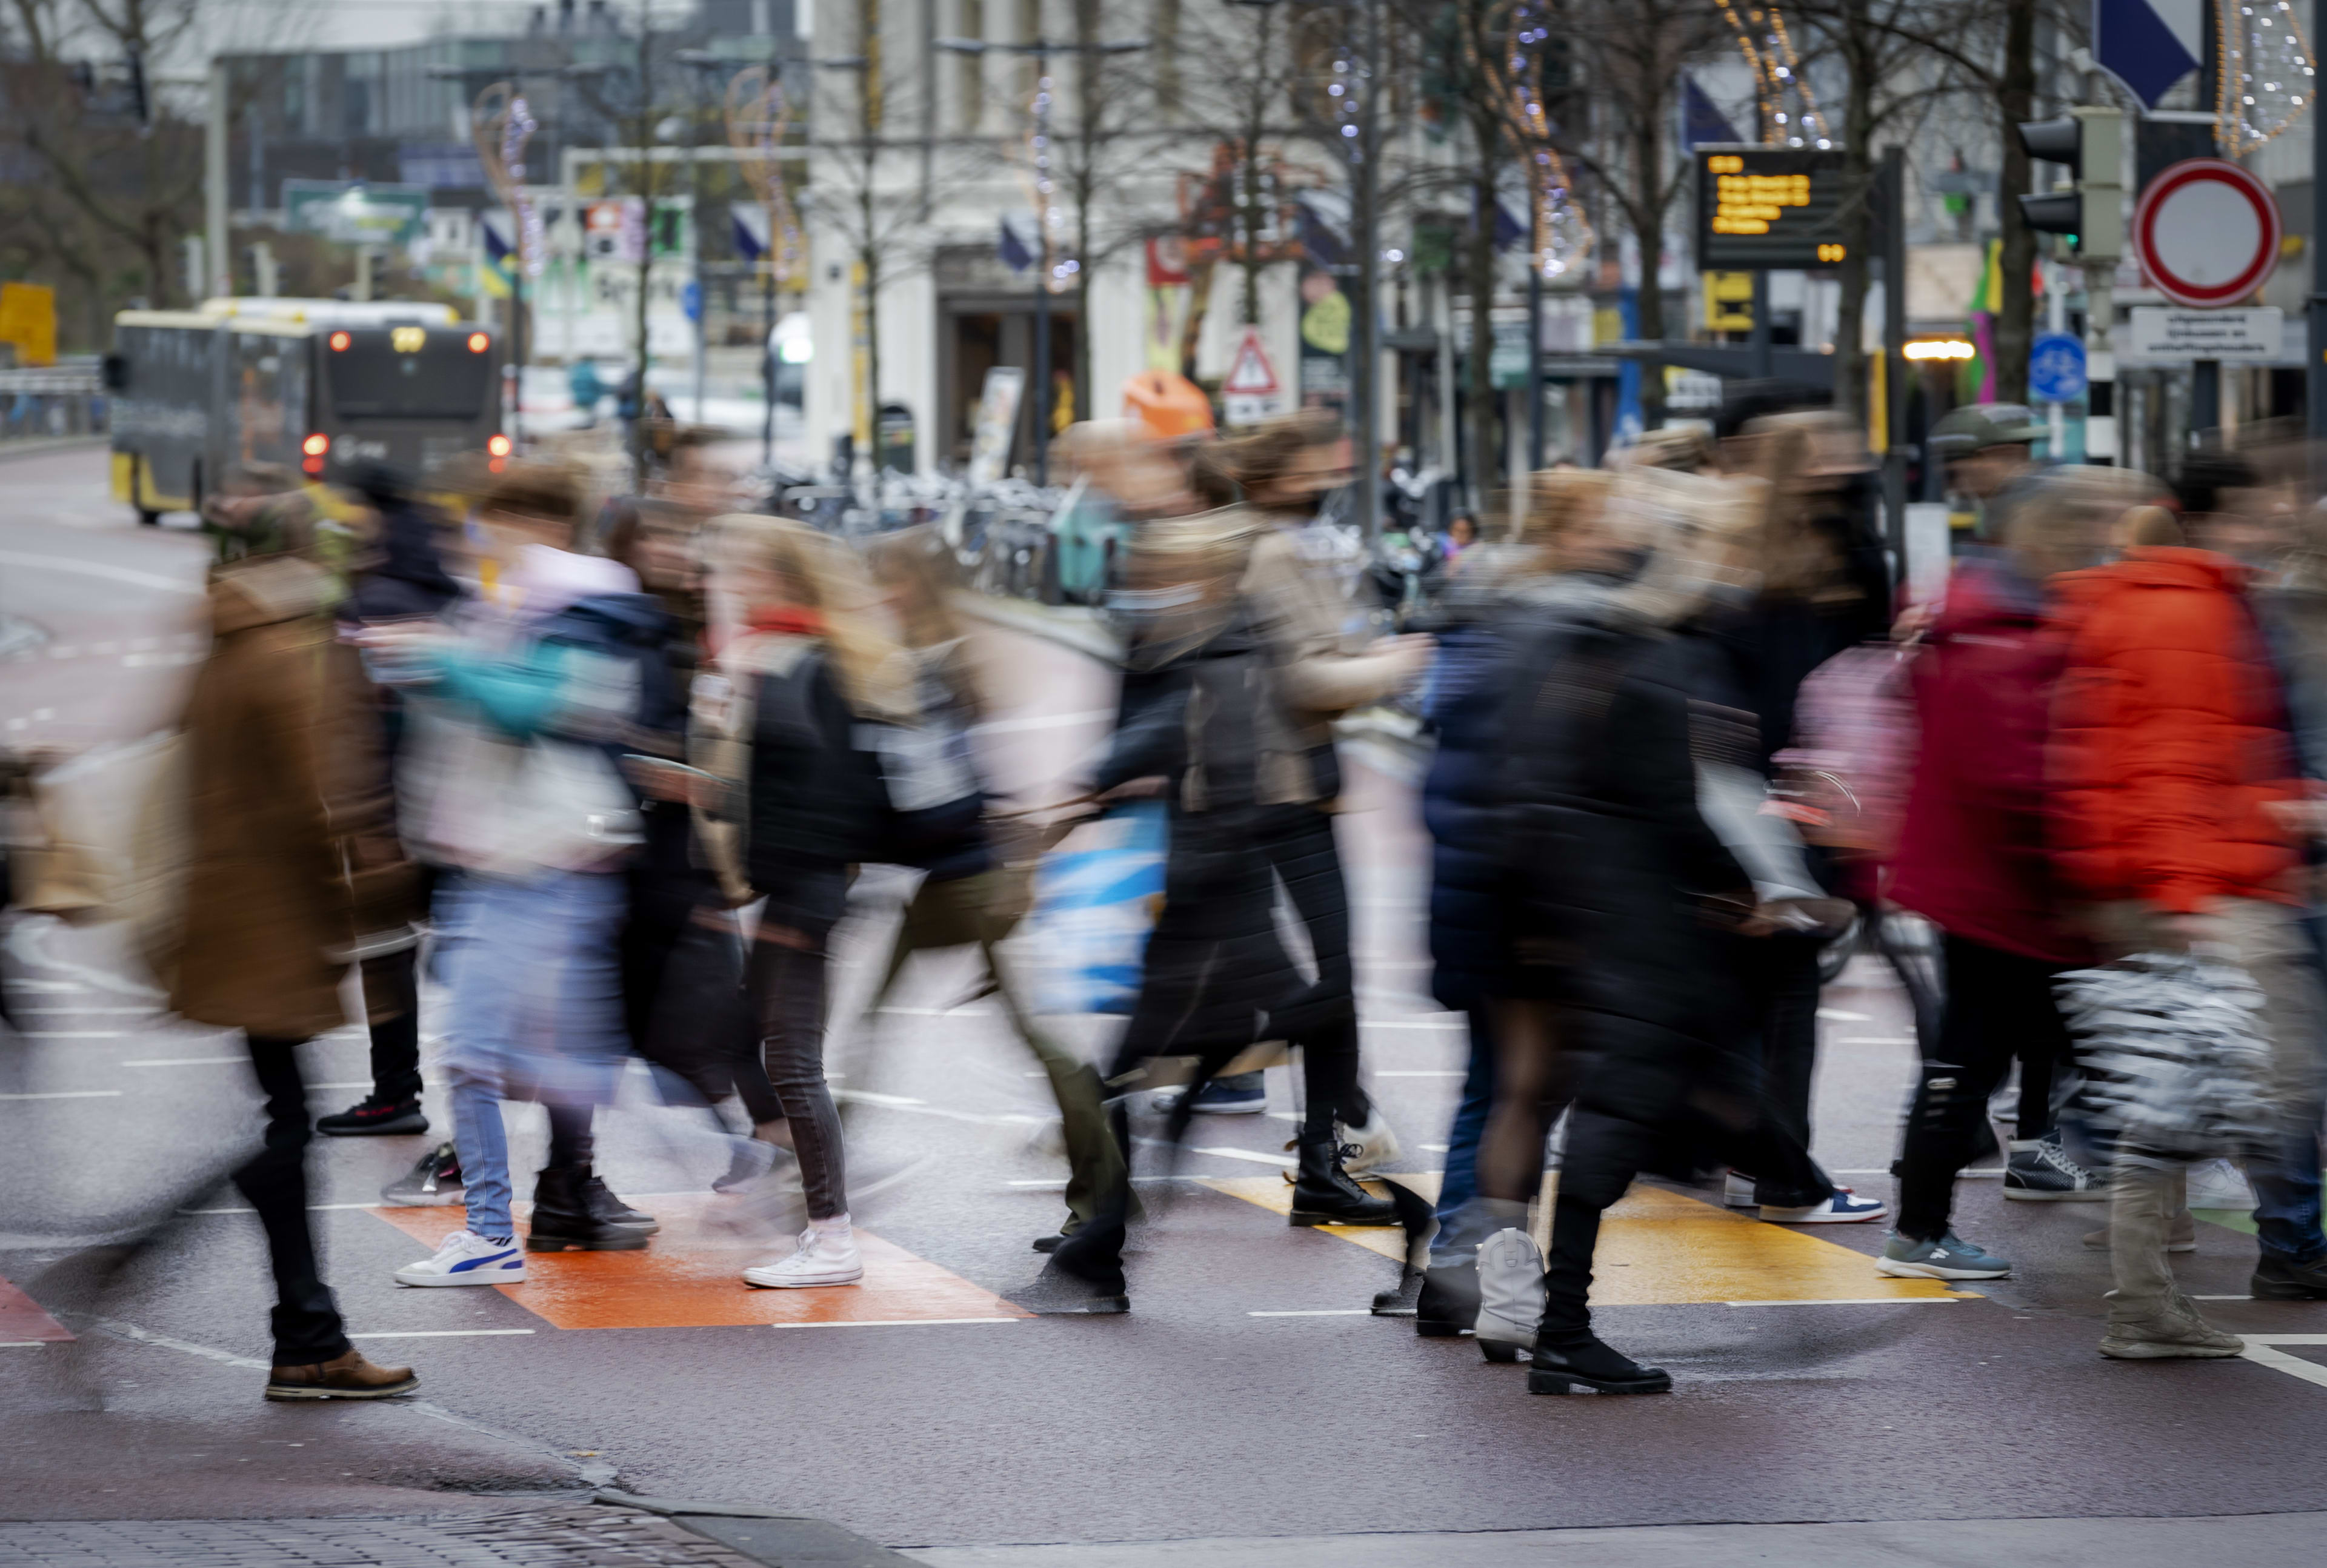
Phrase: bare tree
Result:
[1890,83]
[1628,57]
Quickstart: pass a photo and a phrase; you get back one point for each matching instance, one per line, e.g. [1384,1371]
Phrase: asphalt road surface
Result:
[1248,1411]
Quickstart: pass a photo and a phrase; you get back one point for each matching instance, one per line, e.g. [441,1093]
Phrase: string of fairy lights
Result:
[2265,76]
[1788,108]
[1562,234]
[1059,267]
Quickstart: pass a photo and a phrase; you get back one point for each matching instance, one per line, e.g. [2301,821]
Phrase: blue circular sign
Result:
[2056,367]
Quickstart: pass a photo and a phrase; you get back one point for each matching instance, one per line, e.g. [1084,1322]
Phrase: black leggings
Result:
[1999,1005]
[1298,841]
[1533,1082]
[787,988]
[396,1042]
[306,1321]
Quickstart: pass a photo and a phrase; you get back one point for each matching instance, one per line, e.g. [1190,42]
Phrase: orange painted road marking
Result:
[1663,1247]
[22,1322]
[689,1279]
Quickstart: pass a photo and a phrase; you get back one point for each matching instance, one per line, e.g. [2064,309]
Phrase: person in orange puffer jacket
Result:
[2169,754]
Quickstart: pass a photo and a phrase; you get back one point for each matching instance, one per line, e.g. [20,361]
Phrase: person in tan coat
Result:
[293,871]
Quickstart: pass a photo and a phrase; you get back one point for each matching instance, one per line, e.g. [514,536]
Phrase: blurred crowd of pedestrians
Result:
[605,769]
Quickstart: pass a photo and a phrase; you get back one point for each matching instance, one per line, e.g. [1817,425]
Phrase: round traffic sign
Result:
[2206,232]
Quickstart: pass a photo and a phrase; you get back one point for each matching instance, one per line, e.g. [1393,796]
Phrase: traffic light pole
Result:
[2314,379]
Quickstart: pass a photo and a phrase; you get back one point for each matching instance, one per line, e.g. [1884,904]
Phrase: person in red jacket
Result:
[1973,860]
[2171,762]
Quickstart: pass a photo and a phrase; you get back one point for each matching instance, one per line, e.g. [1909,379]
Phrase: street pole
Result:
[1758,340]
[1364,348]
[1894,354]
[214,202]
[1534,358]
[2314,376]
[1040,381]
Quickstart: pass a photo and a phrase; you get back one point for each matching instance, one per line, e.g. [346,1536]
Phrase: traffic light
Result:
[2090,144]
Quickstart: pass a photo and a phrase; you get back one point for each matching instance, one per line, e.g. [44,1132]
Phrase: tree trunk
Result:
[2016,102]
[1649,229]
[1859,51]
[1486,451]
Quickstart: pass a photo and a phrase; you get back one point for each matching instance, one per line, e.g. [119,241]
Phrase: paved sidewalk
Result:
[2250,1540]
[569,1536]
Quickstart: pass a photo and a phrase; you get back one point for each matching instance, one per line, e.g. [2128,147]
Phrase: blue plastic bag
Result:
[1095,900]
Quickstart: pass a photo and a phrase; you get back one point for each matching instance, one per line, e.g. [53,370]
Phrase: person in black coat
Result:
[403,579]
[1646,870]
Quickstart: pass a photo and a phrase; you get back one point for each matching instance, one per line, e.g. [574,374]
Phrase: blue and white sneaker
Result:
[1950,1257]
[464,1258]
[1845,1207]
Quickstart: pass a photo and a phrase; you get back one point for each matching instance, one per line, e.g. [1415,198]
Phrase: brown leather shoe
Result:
[347,1376]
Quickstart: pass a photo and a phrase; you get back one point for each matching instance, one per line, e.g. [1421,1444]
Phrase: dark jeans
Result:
[1786,968]
[395,979]
[306,1322]
[1460,1183]
[787,987]
[2286,1180]
[1298,841]
[1999,1005]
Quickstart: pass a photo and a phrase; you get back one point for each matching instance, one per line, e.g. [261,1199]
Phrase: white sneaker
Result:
[1368,1145]
[1737,1192]
[1510,1294]
[2219,1184]
[464,1258]
[822,1258]
[1845,1207]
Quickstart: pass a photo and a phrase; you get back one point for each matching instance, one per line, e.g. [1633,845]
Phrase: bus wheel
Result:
[147,517]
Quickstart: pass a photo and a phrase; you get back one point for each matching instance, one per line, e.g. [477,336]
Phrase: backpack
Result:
[1843,780]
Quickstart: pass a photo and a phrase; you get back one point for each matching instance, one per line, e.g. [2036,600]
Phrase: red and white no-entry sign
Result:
[2207,233]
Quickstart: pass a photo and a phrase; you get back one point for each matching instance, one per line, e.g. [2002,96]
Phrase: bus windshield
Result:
[374,378]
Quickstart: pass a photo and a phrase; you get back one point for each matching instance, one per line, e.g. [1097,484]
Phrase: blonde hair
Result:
[1557,500]
[919,562]
[820,574]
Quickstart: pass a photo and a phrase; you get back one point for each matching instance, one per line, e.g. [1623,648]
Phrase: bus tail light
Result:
[497,445]
[340,341]
[316,445]
[314,465]
[478,342]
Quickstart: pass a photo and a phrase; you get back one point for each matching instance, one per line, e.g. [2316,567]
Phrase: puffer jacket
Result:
[1973,856]
[2169,739]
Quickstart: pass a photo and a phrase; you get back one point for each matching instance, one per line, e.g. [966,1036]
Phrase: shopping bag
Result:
[2176,1064]
[1096,899]
[116,833]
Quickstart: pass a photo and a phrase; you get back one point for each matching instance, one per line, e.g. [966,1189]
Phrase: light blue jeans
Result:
[535,971]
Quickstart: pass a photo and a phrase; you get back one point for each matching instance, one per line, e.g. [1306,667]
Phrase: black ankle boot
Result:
[563,1222]
[608,1209]
[1570,1363]
[1449,1303]
[1324,1194]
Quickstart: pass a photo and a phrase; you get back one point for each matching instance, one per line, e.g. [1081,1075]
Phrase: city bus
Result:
[314,386]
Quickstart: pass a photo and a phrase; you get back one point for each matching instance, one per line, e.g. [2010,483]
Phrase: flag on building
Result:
[1013,251]
[2149,44]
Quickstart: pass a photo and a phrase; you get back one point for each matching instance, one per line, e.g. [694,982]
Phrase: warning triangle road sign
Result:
[1249,373]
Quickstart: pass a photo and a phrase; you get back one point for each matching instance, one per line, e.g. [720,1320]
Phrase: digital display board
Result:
[1768,206]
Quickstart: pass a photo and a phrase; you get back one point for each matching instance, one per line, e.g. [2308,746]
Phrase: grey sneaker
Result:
[433,1183]
[1950,1257]
[2045,1174]
[2181,1235]
[2175,1332]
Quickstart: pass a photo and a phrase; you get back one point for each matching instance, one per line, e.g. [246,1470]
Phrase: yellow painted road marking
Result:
[1663,1247]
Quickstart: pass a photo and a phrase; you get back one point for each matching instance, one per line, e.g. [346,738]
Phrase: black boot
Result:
[608,1209]
[562,1220]
[2277,1280]
[1449,1303]
[1326,1194]
[1572,1363]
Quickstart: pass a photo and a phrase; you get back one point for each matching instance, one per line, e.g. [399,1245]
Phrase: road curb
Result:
[41,445]
[766,1535]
